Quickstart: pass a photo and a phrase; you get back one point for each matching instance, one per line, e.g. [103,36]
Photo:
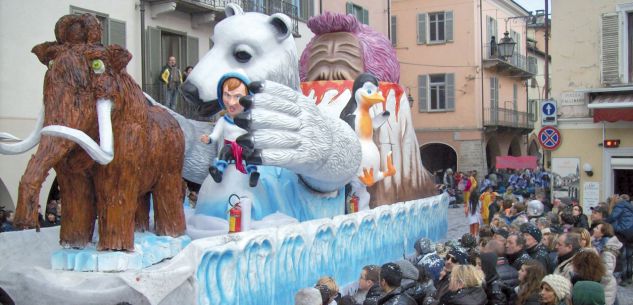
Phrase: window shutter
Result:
[153,56]
[610,49]
[494,93]
[192,51]
[422,28]
[422,93]
[394,31]
[448,25]
[490,29]
[117,32]
[532,65]
[349,8]
[365,16]
[450,92]
[515,97]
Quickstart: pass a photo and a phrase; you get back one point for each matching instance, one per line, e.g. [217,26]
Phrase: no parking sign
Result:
[549,137]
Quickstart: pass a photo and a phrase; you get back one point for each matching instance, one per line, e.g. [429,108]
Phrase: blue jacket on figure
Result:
[622,216]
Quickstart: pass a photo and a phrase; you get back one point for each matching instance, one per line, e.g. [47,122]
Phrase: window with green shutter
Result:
[422,28]
[422,93]
[358,11]
[610,46]
[394,31]
[448,26]
[117,32]
[436,92]
[450,92]
[192,51]
[440,25]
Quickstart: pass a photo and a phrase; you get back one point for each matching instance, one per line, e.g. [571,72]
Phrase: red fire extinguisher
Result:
[353,204]
[235,215]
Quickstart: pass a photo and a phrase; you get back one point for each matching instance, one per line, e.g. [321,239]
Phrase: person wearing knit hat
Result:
[423,246]
[468,241]
[532,231]
[554,290]
[458,256]
[588,293]
[533,246]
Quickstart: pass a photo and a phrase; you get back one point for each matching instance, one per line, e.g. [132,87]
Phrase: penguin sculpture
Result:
[365,94]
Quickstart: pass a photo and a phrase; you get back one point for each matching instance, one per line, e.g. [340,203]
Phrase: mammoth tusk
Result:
[103,153]
[26,144]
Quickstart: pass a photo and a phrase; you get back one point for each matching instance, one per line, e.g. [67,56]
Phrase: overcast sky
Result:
[533,5]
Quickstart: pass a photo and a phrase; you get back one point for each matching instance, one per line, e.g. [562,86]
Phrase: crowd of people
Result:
[52,216]
[520,250]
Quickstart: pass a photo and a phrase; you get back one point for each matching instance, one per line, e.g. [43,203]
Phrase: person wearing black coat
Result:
[373,294]
[581,219]
[494,287]
[390,279]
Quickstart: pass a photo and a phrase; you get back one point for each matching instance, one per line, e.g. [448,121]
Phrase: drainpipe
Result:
[546,50]
[142,9]
[389,19]
[481,71]
[320,7]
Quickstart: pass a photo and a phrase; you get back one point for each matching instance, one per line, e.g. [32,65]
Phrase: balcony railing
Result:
[270,7]
[517,64]
[267,7]
[507,118]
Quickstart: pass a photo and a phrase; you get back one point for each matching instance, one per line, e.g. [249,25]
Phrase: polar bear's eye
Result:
[242,56]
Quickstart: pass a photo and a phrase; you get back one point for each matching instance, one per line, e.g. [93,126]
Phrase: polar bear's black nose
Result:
[205,108]
[190,93]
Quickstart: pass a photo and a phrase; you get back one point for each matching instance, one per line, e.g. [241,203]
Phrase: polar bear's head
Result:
[253,44]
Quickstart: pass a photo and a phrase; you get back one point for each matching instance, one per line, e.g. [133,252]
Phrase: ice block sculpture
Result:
[270,266]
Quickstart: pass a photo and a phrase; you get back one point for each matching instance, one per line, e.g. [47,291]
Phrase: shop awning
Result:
[612,107]
[521,162]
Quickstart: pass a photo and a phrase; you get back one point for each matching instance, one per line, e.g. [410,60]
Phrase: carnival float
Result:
[338,182]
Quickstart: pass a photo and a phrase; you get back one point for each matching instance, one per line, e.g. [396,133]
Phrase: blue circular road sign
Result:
[548,108]
[549,137]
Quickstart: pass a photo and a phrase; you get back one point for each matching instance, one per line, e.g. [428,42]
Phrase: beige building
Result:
[179,27]
[592,82]
[471,103]
[536,85]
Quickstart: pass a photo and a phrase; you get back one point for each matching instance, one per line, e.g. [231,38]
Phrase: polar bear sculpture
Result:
[286,128]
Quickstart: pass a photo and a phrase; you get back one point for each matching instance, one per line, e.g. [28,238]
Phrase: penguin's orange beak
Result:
[374,98]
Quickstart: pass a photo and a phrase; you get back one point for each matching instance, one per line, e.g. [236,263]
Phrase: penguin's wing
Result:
[350,119]
[380,119]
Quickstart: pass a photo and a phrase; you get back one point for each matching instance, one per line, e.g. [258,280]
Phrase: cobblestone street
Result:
[457,226]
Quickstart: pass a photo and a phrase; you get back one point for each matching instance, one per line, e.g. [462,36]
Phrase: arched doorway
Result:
[5,197]
[492,152]
[515,148]
[437,157]
[533,149]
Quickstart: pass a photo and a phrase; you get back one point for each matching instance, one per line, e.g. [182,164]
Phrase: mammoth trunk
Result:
[49,153]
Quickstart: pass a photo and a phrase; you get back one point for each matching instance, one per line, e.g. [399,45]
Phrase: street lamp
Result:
[506,46]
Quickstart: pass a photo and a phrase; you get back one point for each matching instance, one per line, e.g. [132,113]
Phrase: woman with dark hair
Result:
[472,211]
[530,276]
[581,220]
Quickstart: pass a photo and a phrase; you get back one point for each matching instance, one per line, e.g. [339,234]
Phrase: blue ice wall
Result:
[270,266]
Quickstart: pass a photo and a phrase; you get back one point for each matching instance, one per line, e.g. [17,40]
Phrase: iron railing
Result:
[520,61]
[507,118]
[267,7]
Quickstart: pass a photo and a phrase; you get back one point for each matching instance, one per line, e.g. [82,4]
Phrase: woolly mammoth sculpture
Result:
[89,98]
